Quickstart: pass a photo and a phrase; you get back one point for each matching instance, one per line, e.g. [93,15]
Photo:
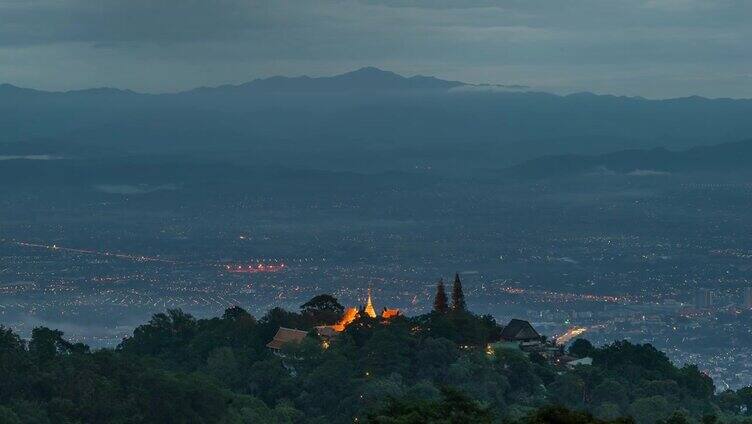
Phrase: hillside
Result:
[442,367]
[726,157]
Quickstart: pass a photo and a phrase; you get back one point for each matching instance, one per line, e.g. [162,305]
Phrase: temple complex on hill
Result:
[352,313]
[517,334]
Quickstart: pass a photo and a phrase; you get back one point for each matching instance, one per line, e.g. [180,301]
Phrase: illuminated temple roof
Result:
[390,313]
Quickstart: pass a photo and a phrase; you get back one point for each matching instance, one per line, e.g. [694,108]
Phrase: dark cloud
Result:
[648,47]
[107,21]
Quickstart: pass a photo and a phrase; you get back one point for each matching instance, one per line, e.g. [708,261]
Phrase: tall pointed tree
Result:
[458,297]
[440,303]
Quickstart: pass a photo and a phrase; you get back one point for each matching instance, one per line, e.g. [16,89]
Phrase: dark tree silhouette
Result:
[581,348]
[322,309]
[453,407]
[323,302]
[235,313]
[458,297]
[440,303]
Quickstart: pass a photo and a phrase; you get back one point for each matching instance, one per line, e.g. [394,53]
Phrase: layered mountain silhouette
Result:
[367,79]
[365,118]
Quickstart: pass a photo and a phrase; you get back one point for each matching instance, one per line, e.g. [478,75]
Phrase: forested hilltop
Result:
[441,367]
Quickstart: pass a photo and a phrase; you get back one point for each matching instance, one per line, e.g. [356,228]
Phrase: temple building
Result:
[520,334]
[284,336]
[520,331]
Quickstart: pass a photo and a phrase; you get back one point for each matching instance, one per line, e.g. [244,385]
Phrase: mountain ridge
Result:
[379,79]
[368,78]
[368,117]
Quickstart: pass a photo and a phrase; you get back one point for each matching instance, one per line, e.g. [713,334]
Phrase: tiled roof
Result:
[286,335]
[518,329]
[390,313]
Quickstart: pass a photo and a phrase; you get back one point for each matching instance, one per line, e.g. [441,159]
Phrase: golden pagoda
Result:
[369,310]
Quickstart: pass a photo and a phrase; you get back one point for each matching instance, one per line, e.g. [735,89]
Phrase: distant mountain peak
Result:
[367,74]
[10,87]
[10,90]
[370,70]
[374,73]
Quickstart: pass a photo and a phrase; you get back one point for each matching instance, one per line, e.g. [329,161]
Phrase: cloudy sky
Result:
[652,48]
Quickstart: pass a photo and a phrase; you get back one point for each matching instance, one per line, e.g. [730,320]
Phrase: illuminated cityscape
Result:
[535,259]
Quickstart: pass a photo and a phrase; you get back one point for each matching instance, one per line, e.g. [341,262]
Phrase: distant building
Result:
[520,334]
[326,332]
[582,361]
[520,331]
[704,299]
[286,336]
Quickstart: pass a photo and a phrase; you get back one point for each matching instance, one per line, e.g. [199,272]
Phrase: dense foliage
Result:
[430,368]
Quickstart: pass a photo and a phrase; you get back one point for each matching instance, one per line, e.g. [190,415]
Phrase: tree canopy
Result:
[440,304]
[429,368]
[458,296]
